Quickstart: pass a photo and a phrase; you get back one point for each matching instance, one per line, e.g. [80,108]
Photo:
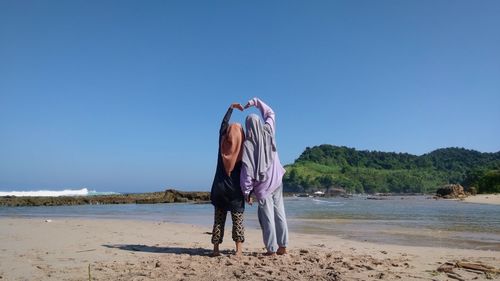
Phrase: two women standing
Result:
[249,163]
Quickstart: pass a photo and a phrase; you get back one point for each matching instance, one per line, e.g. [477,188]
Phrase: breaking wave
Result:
[55,193]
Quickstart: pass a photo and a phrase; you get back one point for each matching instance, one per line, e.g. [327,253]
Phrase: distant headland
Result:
[328,167]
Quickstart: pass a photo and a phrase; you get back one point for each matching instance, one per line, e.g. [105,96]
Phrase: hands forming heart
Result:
[239,106]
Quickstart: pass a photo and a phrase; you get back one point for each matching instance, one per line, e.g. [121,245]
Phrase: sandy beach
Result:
[484,199]
[65,249]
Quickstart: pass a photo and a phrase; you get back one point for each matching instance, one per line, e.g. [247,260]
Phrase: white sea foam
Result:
[48,193]
[331,203]
[93,192]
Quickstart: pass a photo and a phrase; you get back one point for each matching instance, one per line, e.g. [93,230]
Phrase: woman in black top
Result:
[226,194]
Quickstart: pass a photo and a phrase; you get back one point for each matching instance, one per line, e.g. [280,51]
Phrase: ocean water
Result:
[414,220]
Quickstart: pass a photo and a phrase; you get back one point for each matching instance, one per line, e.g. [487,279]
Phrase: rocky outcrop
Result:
[175,196]
[168,196]
[470,190]
[334,191]
[451,191]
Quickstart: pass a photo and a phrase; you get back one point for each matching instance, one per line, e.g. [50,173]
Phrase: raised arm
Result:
[266,111]
[225,121]
[227,117]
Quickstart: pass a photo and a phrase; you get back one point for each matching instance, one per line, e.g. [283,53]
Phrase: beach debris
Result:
[446,267]
[477,268]
[367,267]
[89,250]
[455,276]
[48,220]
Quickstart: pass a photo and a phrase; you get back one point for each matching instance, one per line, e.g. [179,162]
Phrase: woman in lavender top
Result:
[262,174]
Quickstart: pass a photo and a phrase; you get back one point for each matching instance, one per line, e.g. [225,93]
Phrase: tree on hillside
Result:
[325,166]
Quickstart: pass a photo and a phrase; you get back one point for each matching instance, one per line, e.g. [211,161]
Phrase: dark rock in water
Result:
[451,191]
[471,190]
[169,196]
[335,192]
[175,196]
[376,198]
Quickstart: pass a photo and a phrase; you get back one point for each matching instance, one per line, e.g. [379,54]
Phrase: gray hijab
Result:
[258,148]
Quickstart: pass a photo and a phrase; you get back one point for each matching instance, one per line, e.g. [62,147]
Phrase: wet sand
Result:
[65,249]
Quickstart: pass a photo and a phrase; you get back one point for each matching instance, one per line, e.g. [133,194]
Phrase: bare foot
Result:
[215,254]
[239,249]
[281,251]
[237,255]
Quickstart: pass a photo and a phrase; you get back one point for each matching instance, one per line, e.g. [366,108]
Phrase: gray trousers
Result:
[272,219]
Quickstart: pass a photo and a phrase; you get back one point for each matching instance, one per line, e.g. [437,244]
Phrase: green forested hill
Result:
[325,166]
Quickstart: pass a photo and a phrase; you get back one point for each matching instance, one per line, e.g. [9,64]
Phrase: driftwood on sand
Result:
[473,267]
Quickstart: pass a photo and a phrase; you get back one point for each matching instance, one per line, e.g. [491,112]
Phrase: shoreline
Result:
[176,196]
[395,237]
[492,199]
[145,250]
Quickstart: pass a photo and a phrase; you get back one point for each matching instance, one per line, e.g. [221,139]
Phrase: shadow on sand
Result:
[164,250]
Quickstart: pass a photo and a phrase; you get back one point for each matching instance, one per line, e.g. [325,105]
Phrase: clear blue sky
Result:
[129,95]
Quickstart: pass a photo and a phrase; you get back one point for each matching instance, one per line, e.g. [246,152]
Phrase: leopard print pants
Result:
[220,221]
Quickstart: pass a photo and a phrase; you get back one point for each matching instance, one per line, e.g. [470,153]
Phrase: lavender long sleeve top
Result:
[276,170]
